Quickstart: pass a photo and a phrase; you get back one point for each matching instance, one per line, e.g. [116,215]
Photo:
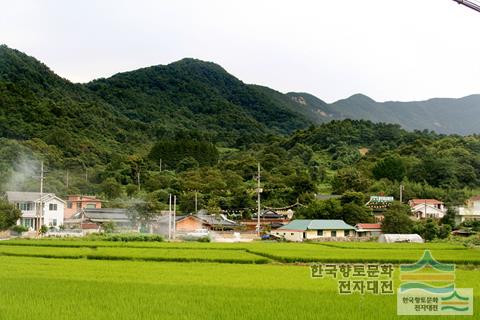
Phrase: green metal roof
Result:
[303,225]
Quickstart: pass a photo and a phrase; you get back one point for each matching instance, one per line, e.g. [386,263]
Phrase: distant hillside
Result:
[448,116]
[441,115]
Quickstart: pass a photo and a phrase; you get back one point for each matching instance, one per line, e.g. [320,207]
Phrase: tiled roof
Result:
[106,214]
[316,225]
[475,198]
[415,202]
[368,225]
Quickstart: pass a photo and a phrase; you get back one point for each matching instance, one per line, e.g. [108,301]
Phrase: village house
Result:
[427,208]
[75,203]
[470,211]
[191,223]
[300,230]
[378,205]
[33,217]
[368,229]
[268,219]
[92,219]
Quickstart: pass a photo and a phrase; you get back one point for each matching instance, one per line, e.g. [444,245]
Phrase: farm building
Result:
[300,230]
[391,238]
[368,229]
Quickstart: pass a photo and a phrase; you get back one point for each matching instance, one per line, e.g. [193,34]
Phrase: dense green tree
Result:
[397,219]
[349,179]
[111,188]
[353,213]
[430,231]
[392,168]
[9,215]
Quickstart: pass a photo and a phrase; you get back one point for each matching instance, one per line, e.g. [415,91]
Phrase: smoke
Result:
[23,175]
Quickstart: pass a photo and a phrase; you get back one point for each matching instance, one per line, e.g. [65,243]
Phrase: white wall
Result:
[310,234]
[50,215]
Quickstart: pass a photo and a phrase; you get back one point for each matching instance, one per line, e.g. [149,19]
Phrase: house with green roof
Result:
[300,230]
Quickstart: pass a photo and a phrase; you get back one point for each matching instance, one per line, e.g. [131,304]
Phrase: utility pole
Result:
[40,220]
[174,216]
[169,216]
[67,180]
[196,202]
[160,165]
[401,193]
[258,200]
[425,213]
[138,179]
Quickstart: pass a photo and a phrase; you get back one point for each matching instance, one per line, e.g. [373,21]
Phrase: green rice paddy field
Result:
[75,279]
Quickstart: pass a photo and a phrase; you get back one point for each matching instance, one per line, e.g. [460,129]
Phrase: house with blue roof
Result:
[300,230]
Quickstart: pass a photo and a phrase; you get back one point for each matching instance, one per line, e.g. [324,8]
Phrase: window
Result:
[320,233]
[52,207]
[27,223]
[347,233]
[291,234]
[25,206]
[91,206]
[69,204]
[79,205]
[334,233]
[54,222]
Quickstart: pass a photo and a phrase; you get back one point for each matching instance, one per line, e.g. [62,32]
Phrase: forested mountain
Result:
[195,95]
[188,98]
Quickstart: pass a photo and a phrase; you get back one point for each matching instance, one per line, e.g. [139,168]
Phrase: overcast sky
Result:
[387,49]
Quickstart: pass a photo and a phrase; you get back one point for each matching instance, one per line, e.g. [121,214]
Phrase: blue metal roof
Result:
[303,225]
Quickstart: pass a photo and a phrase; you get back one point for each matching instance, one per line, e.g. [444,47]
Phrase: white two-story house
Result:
[470,211]
[32,215]
[427,208]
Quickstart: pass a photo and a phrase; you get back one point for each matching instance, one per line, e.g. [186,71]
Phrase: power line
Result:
[470,4]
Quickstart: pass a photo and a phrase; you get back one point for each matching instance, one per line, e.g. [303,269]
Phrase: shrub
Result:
[19,228]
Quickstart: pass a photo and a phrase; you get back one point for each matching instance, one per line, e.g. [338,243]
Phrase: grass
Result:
[306,252]
[77,279]
[131,253]
[255,252]
[94,289]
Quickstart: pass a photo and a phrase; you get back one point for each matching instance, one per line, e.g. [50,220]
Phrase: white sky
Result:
[386,49]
